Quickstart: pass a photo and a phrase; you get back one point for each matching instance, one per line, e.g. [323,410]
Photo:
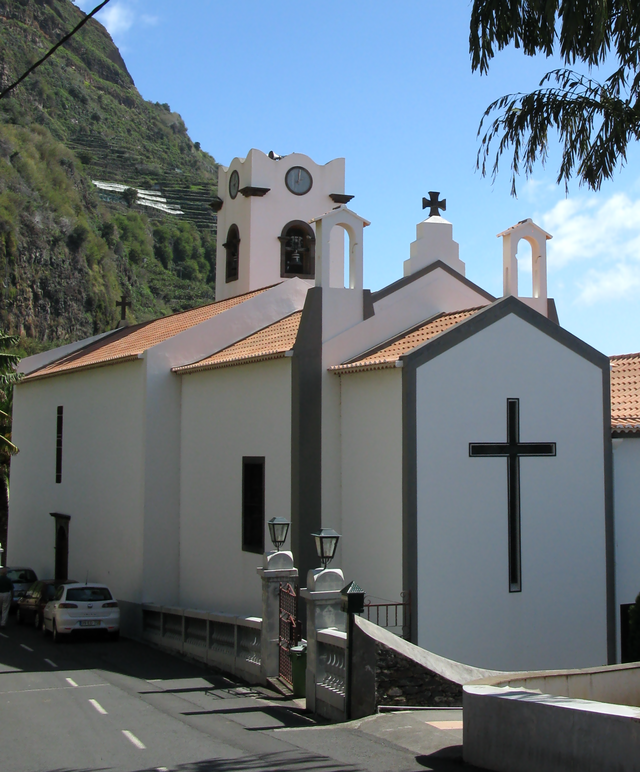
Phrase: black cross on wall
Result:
[434,203]
[513,449]
[124,304]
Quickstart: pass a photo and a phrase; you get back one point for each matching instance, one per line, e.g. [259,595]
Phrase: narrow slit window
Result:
[253,504]
[59,445]
[232,249]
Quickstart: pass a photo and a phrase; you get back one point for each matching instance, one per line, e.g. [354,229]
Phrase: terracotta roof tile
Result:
[388,354]
[625,393]
[270,342]
[129,343]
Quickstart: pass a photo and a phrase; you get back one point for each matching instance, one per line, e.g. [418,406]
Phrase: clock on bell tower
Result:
[265,206]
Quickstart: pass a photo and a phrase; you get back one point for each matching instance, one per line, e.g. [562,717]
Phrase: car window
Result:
[50,591]
[59,592]
[88,594]
[21,575]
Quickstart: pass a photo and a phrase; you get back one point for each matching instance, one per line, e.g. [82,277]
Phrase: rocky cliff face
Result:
[68,251]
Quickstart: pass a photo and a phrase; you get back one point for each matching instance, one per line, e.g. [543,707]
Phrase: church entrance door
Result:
[61,546]
[289,629]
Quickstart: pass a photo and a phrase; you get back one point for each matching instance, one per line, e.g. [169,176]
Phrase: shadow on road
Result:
[93,652]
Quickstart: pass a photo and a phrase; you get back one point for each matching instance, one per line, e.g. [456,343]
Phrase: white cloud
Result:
[618,282]
[117,18]
[596,229]
[533,189]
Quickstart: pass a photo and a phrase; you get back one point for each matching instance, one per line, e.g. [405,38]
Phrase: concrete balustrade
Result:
[230,643]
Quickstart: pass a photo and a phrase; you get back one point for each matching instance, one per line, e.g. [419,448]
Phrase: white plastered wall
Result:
[229,413]
[371,410]
[345,334]
[102,480]
[626,473]
[163,431]
[465,609]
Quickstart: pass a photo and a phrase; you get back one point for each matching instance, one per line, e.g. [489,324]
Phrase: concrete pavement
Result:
[95,705]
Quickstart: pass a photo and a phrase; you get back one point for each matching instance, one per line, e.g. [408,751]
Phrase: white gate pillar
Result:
[323,599]
[277,568]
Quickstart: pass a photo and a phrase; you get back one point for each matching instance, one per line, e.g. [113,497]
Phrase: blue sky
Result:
[390,88]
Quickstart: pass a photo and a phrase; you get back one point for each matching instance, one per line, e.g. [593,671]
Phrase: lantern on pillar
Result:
[278,530]
[326,545]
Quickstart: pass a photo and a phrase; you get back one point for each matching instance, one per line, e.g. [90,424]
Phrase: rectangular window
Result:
[59,446]
[626,655]
[253,504]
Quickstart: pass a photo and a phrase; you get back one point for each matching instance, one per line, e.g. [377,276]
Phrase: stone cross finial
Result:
[434,203]
[124,304]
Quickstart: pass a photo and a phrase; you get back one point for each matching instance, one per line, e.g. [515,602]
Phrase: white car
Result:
[81,607]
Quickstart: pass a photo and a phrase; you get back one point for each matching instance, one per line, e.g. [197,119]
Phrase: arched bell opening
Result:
[297,251]
[232,250]
[524,258]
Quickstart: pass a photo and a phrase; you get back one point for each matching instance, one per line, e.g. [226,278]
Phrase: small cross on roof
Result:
[434,203]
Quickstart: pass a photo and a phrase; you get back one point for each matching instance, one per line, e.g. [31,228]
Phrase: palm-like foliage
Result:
[595,121]
[8,377]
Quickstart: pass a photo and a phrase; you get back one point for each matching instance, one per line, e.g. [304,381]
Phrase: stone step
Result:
[281,686]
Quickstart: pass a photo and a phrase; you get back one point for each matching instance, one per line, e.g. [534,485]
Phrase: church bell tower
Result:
[265,204]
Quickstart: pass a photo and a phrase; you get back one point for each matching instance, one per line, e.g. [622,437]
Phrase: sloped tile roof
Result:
[388,354]
[625,393]
[270,342]
[129,343]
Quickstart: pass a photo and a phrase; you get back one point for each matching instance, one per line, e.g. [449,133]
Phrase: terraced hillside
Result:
[68,250]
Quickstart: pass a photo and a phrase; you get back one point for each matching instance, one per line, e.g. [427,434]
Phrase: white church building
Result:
[462,444]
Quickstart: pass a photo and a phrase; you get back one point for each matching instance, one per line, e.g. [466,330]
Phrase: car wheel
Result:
[18,616]
[36,620]
[54,633]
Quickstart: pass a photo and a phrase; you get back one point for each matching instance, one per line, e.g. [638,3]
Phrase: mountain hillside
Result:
[101,192]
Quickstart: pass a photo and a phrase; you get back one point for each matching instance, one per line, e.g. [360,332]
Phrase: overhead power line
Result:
[61,42]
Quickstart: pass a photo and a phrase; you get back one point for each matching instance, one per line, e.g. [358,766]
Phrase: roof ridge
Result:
[408,331]
[218,352]
[624,356]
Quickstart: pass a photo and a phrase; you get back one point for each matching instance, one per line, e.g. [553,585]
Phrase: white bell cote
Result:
[537,239]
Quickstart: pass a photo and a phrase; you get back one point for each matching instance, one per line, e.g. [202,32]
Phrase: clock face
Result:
[298,180]
[234,183]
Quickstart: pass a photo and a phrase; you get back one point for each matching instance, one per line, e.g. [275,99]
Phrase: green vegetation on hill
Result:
[68,250]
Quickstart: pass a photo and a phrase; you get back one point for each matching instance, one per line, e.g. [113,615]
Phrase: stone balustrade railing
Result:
[225,641]
[331,675]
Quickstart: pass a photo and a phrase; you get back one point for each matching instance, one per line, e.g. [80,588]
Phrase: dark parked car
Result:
[22,579]
[32,603]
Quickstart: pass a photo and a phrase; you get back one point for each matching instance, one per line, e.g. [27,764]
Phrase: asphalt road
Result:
[92,705]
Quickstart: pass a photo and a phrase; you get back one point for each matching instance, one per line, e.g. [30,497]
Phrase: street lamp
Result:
[326,544]
[278,530]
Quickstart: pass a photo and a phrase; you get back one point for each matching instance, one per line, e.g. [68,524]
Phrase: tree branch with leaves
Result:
[8,377]
[595,121]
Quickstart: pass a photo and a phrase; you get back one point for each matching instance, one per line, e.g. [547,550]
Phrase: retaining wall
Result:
[559,721]
[388,670]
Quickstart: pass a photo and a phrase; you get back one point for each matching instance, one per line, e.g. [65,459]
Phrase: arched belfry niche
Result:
[297,250]
[330,263]
[232,252]
[537,239]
